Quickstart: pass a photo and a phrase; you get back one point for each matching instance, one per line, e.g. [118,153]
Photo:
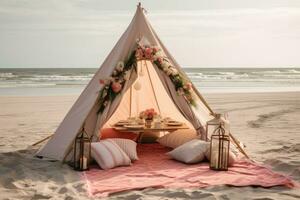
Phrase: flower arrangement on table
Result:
[148,114]
[115,83]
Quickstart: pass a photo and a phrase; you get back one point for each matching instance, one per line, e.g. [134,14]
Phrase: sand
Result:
[267,123]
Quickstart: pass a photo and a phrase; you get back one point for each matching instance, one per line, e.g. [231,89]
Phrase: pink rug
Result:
[155,169]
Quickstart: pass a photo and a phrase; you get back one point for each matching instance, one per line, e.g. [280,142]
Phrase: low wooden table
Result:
[140,131]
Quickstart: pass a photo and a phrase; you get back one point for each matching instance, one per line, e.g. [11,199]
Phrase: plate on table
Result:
[174,123]
[122,123]
[134,126]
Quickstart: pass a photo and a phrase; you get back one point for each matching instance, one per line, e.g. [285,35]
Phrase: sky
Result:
[206,33]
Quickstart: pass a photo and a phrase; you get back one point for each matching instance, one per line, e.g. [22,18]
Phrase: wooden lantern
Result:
[219,149]
[82,151]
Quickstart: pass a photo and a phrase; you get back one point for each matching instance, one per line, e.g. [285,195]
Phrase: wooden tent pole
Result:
[130,101]
[236,142]
[42,140]
[202,99]
[152,86]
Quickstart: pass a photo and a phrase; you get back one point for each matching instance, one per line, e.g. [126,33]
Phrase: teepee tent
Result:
[146,83]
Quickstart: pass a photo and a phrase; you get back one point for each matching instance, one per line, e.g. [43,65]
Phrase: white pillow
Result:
[177,138]
[109,155]
[190,152]
[231,160]
[128,146]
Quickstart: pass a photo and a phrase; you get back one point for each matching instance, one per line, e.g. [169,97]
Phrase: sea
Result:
[71,81]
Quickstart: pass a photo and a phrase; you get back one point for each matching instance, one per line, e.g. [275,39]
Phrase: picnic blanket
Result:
[157,170]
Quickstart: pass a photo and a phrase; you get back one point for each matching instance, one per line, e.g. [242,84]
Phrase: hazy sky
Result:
[206,33]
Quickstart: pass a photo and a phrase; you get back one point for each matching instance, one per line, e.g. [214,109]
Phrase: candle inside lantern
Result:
[83,163]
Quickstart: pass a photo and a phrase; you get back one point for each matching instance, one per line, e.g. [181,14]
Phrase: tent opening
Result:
[146,92]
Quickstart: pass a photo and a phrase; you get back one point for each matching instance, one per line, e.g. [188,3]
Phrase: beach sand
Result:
[267,123]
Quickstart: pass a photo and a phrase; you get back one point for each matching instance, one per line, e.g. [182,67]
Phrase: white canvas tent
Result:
[156,91]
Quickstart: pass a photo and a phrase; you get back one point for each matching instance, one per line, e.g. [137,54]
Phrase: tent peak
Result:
[139,7]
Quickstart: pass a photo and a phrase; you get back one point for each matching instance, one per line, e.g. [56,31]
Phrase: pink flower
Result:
[155,49]
[116,87]
[148,53]
[148,114]
[159,60]
[187,86]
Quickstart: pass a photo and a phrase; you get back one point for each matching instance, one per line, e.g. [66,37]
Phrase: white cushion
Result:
[190,152]
[128,146]
[177,138]
[231,160]
[109,155]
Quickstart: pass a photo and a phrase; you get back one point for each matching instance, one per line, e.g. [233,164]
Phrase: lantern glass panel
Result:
[77,153]
[214,152]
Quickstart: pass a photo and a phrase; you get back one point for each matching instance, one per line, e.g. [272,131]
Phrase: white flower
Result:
[120,66]
[105,103]
[107,81]
[159,53]
[169,72]
[104,93]
[166,69]
[137,40]
[165,65]
[126,76]
[115,72]
[174,71]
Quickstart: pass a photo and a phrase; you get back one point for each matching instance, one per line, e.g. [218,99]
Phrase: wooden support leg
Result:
[237,144]
[42,140]
[140,137]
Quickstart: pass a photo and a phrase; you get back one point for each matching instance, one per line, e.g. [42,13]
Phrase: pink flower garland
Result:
[119,76]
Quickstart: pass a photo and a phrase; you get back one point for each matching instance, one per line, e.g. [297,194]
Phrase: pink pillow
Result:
[112,133]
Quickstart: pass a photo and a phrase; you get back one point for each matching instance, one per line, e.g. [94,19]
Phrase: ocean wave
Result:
[224,79]
[293,71]
[59,78]
[277,72]
[224,76]
[27,85]
[226,73]
[7,75]
[284,76]
[194,74]
[268,72]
